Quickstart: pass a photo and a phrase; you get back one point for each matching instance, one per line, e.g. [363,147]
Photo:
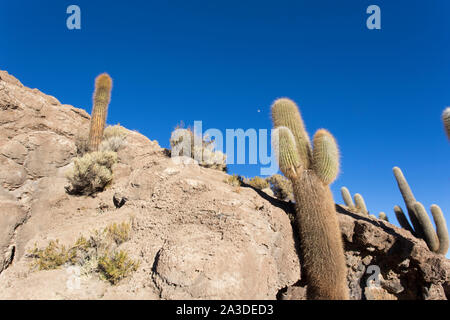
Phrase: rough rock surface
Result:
[195,236]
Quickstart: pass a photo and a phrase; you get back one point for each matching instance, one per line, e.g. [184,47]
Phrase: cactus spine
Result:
[311,172]
[446,121]
[421,224]
[102,97]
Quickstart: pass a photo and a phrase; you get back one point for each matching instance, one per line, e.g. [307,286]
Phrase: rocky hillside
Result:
[193,235]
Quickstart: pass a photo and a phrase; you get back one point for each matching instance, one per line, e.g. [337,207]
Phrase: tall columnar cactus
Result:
[446,121]
[311,171]
[421,223]
[102,97]
[359,205]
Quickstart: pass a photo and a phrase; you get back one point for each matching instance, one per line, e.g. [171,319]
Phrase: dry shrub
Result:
[281,187]
[91,173]
[257,183]
[99,253]
[234,180]
[114,138]
[114,266]
[115,131]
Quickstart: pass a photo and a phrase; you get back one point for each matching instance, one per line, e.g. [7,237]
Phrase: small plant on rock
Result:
[257,183]
[91,173]
[114,266]
[99,253]
[114,138]
[281,187]
[234,180]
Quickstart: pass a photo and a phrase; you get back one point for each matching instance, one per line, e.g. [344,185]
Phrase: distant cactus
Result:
[359,204]
[347,197]
[102,97]
[446,121]
[421,224]
[441,229]
[311,172]
[383,216]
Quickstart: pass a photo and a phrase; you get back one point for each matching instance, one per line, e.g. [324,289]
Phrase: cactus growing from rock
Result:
[347,197]
[311,171]
[102,97]
[441,229]
[446,121]
[383,216]
[421,224]
[359,204]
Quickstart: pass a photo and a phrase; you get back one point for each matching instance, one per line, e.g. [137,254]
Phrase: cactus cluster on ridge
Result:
[311,170]
[359,204]
[437,241]
[102,97]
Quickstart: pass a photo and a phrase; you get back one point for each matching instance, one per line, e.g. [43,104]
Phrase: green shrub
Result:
[91,173]
[97,254]
[118,233]
[114,266]
[53,256]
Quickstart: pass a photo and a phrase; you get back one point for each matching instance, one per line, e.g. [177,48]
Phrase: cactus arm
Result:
[346,196]
[441,229]
[285,113]
[325,156]
[409,199]
[360,203]
[402,220]
[101,99]
[289,161]
[430,236]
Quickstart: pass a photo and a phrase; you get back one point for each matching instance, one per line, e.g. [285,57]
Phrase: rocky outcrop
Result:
[195,236]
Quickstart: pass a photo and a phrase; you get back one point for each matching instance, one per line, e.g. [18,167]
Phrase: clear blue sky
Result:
[380,92]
